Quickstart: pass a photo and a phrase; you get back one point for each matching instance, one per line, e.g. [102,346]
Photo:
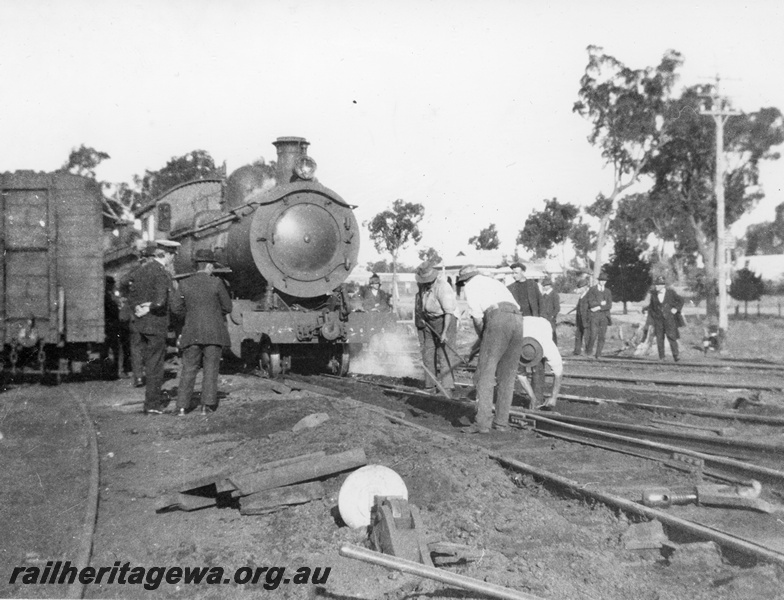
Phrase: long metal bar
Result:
[576,433]
[778,368]
[701,443]
[762,419]
[664,381]
[409,566]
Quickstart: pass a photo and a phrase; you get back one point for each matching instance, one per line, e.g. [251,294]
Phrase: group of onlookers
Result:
[138,328]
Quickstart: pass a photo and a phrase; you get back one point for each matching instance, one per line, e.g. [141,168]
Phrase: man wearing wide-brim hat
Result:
[499,325]
[599,300]
[435,316]
[149,298]
[664,311]
[204,302]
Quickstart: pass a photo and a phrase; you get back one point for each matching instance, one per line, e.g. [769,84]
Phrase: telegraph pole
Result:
[720,115]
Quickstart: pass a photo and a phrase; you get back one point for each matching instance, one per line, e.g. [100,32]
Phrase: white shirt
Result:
[540,329]
[482,292]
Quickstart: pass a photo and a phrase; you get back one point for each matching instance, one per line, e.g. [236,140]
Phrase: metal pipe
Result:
[408,566]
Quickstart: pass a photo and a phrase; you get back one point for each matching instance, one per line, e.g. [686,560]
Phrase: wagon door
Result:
[29,290]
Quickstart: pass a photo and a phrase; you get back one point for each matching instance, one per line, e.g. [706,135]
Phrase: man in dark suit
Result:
[150,293]
[551,304]
[131,344]
[664,311]
[599,300]
[204,301]
[526,292]
[582,320]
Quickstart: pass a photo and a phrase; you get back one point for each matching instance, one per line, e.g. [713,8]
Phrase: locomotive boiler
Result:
[289,244]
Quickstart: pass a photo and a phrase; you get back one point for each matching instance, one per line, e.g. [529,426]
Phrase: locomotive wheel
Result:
[270,361]
[339,363]
[345,361]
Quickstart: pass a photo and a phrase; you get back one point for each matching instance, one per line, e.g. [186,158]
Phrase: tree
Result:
[628,275]
[625,108]
[487,239]
[546,228]
[583,241]
[392,229]
[767,238]
[430,255]
[684,172]
[83,161]
[197,164]
[745,287]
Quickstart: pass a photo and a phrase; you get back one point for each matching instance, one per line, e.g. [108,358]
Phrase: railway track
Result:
[616,462]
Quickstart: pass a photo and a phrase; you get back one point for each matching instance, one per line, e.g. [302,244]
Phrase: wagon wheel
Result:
[270,361]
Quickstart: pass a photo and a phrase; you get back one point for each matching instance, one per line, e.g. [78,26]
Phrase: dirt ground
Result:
[531,538]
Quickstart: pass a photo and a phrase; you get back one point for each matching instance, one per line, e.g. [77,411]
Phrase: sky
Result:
[462,106]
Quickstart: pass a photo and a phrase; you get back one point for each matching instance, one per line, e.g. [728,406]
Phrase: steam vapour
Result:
[394,354]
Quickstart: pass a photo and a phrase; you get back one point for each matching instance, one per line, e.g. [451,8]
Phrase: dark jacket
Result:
[379,303]
[527,295]
[204,302]
[661,312]
[602,299]
[150,283]
[581,311]
[551,306]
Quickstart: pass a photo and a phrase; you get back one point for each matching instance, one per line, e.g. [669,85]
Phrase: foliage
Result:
[393,228]
[628,274]
[430,255]
[546,228]
[83,161]
[583,240]
[625,108]
[379,266]
[197,164]
[746,286]
[487,239]
[684,171]
[568,282]
[767,238]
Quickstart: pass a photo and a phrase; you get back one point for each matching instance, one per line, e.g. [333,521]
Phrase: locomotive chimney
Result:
[289,150]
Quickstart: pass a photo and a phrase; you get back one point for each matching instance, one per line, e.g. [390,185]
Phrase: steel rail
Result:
[680,364]
[708,533]
[699,442]
[576,433]
[672,382]
[701,412]
[722,538]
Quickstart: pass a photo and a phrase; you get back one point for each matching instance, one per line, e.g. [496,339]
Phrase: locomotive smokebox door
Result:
[305,242]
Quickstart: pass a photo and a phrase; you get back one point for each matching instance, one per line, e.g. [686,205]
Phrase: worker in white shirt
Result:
[499,325]
[541,330]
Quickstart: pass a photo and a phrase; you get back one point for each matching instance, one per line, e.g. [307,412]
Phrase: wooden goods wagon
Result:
[51,272]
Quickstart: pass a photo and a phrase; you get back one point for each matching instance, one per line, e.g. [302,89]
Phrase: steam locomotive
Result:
[289,244]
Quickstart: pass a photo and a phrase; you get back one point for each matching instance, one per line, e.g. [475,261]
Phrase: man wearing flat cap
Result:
[149,298]
[204,302]
[664,311]
[599,300]
[435,315]
[499,325]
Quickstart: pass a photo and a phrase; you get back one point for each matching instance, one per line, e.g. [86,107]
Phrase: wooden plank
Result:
[268,501]
[299,472]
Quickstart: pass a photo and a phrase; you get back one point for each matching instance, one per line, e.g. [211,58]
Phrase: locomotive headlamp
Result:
[305,167]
